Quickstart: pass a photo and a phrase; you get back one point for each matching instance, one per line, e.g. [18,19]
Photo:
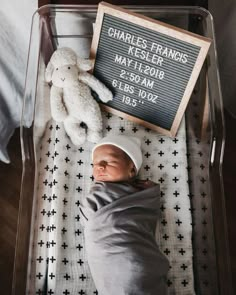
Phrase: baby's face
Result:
[112,164]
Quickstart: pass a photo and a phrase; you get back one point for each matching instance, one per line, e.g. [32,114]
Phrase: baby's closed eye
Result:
[107,162]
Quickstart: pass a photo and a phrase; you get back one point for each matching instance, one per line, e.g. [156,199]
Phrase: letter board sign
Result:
[151,67]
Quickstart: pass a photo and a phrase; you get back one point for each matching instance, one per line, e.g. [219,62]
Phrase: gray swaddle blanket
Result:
[120,221]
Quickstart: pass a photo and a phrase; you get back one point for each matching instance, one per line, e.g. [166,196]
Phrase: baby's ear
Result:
[132,171]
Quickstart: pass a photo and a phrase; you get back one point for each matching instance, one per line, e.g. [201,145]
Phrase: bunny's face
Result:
[65,76]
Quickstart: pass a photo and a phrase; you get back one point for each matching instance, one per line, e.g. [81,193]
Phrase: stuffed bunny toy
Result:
[71,100]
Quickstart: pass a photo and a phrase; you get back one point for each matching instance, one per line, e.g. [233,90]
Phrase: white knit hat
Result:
[129,144]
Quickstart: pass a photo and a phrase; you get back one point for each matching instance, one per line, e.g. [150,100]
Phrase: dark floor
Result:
[10,179]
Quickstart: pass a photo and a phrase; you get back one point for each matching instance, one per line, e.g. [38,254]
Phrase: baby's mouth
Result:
[101,176]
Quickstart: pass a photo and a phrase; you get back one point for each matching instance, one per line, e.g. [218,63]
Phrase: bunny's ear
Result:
[84,64]
[49,71]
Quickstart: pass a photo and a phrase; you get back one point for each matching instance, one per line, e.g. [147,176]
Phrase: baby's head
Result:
[116,158]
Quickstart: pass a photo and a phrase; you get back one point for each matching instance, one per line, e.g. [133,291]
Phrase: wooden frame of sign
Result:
[151,67]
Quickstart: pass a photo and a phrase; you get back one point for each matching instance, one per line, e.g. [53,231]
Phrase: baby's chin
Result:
[101,178]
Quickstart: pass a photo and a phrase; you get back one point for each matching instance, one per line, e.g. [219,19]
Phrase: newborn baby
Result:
[120,215]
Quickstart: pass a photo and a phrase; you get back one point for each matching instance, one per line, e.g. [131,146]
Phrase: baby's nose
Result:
[102,165]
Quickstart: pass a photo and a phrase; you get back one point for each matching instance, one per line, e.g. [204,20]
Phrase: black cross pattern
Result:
[167,251]
[65,261]
[77,217]
[160,166]
[184,266]
[64,216]
[42,227]
[55,154]
[175,140]
[162,194]
[63,230]
[162,207]
[175,165]
[169,283]
[52,259]
[44,197]
[147,155]
[175,179]
[161,153]
[81,150]
[191,195]
[176,194]
[80,262]
[178,222]
[52,276]
[182,251]
[79,189]
[180,237]
[161,180]
[164,222]
[204,208]
[148,142]
[109,115]
[184,282]
[175,152]
[165,237]
[39,275]
[82,277]
[177,208]
[66,276]
[67,159]
[146,167]
[55,168]
[41,243]
[39,259]
[203,194]
[134,129]
[204,267]
[189,168]
[203,180]
[79,175]
[64,245]
[54,197]
[79,247]
[78,232]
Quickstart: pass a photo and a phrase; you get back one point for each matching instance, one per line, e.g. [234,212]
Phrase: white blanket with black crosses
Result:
[64,175]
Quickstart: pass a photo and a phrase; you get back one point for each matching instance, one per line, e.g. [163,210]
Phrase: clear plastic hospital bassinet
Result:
[44,214]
